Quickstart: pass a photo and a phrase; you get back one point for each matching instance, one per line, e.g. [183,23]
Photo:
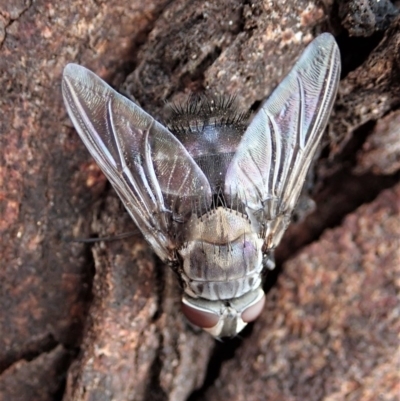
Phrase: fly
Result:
[211,195]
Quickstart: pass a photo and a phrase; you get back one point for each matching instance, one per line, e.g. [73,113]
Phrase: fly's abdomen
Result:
[222,258]
[214,191]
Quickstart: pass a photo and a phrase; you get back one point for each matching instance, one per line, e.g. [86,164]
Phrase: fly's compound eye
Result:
[252,312]
[200,318]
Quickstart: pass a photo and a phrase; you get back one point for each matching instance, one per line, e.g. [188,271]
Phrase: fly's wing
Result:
[144,162]
[269,168]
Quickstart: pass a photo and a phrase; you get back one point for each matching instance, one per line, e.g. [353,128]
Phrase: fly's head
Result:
[224,318]
[221,262]
[230,186]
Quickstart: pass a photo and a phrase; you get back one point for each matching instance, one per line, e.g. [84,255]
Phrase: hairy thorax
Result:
[222,257]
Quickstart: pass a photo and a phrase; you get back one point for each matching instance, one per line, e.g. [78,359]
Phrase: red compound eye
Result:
[200,318]
[253,311]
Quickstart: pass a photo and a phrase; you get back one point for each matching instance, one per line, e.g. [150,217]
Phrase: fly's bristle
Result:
[201,110]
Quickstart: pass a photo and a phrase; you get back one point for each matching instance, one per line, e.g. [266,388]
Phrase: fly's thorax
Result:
[177,182]
[224,318]
[222,256]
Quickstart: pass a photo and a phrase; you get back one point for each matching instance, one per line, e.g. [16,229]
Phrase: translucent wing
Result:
[269,168]
[151,171]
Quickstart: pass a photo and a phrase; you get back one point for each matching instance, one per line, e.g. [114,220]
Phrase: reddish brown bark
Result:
[107,315]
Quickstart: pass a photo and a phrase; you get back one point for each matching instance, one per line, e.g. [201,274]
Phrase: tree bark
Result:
[102,322]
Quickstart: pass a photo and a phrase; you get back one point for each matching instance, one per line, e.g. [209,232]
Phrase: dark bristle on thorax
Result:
[201,111]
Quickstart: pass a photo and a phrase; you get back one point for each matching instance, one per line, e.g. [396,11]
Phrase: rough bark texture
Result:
[102,322]
[330,330]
